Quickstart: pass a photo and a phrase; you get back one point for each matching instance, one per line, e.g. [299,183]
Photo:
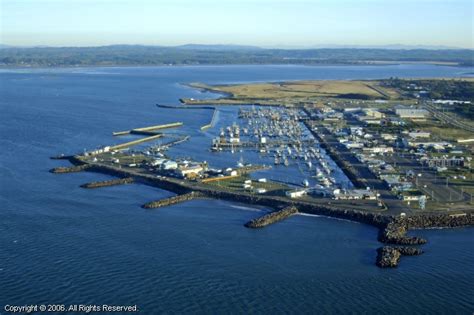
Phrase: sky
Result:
[264,23]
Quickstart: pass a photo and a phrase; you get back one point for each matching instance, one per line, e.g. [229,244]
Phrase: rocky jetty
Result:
[439,220]
[172,200]
[60,157]
[271,217]
[395,233]
[409,251]
[392,229]
[389,256]
[71,169]
[113,182]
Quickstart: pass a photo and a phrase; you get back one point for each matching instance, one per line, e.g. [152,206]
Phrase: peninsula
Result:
[377,152]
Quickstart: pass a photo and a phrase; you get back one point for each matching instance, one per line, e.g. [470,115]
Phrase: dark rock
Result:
[409,251]
[271,217]
[172,200]
[388,257]
[113,182]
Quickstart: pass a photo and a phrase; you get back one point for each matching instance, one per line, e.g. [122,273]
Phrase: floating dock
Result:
[147,130]
[272,217]
[172,200]
[106,183]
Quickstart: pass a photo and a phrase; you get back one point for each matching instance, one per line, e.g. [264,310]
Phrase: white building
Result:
[411,113]
[169,165]
[355,194]
[295,193]
[157,162]
[190,171]
[419,134]
[374,113]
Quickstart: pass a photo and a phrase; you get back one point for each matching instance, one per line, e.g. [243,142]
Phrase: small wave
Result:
[247,208]
[325,216]
[310,215]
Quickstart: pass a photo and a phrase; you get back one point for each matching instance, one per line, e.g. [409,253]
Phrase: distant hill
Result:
[217,47]
[194,54]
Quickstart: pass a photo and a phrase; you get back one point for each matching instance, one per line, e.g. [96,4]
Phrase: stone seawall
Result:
[439,220]
[271,217]
[172,200]
[112,182]
[394,232]
[392,229]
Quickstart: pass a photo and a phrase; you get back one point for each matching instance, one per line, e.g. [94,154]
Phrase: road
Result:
[448,118]
[436,186]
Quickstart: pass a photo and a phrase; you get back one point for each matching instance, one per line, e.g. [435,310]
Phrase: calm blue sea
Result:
[60,244]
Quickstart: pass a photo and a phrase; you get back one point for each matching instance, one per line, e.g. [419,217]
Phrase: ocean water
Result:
[60,244]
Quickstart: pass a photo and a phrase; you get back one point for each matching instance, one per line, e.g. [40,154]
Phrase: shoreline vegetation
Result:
[136,55]
[312,91]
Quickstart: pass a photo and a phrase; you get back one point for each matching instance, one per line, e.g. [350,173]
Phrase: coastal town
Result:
[393,157]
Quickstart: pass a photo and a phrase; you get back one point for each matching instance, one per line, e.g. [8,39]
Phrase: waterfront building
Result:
[295,193]
[169,165]
[411,113]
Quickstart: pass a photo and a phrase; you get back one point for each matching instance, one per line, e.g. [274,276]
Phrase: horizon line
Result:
[283,47]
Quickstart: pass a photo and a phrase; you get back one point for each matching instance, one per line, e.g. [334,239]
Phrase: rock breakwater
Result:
[395,233]
[113,182]
[172,200]
[271,217]
[389,256]
[71,169]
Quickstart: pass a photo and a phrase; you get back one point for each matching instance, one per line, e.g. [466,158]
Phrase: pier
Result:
[172,200]
[185,107]
[272,217]
[135,142]
[253,144]
[106,183]
[211,123]
[147,130]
